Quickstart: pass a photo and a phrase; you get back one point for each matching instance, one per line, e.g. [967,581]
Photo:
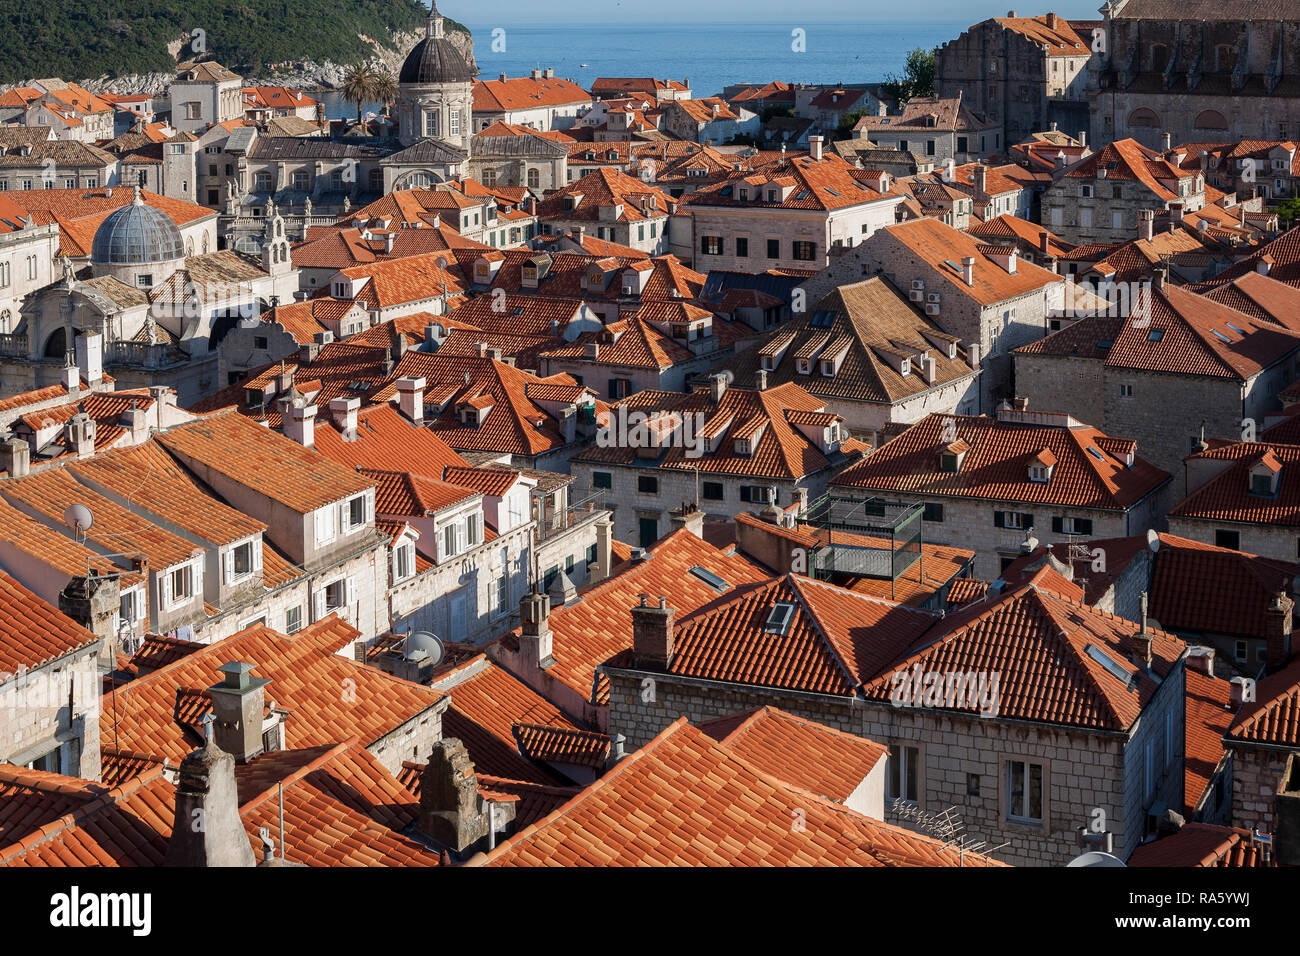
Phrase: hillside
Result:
[119,37]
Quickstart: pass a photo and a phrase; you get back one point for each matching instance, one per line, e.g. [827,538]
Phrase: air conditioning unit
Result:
[934,297]
[629,290]
[932,308]
[918,284]
[917,295]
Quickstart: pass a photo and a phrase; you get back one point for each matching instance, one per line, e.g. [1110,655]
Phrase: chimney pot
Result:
[652,634]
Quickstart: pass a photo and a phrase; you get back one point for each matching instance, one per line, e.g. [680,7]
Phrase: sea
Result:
[710,55]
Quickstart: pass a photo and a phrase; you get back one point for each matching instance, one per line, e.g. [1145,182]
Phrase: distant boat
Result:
[583,65]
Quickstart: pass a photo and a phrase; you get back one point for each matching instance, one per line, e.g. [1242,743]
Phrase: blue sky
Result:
[686,11]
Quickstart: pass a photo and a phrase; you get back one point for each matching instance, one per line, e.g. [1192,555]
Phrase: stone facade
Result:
[963,761]
[37,725]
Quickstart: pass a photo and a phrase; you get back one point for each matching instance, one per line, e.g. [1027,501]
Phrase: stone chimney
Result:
[238,704]
[1142,644]
[344,412]
[1201,660]
[1278,631]
[968,269]
[410,398]
[93,602]
[1166,142]
[89,348]
[15,457]
[689,517]
[390,240]
[81,430]
[300,424]
[981,179]
[652,633]
[561,591]
[604,550]
[1176,212]
[207,829]
[1239,685]
[760,380]
[535,639]
[451,810]
[815,148]
[1146,224]
[717,387]
[71,379]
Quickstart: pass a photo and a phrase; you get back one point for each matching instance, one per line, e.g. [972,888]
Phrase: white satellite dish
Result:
[1096,858]
[78,518]
[423,645]
[1153,540]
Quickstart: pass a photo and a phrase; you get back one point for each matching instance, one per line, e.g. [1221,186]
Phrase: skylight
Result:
[1234,328]
[803,194]
[831,191]
[709,578]
[822,319]
[778,622]
[1222,336]
[1155,335]
[1096,454]
[1112,666]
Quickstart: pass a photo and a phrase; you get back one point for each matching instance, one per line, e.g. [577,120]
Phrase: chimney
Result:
[652,633]
[717,387]
[604,550]
[973,354]
[504,77]
[1201,660]
[410,398]
[71,379]
[815,148]
[760,380]
[1142,644]
[548,73]
[1146,224]
[535,639]
[1158,277]
[238,703]
[537,74]
[451,809]
[81,434]
[1176,212]
[300,424]
[561,591]
[569,424]
[90,357]
[968,269]
[1166,142]
[1239,685]
[207,829]
[1043,240]
[390,240]
[1083,139]
[981,179]
[344,412]
[15,457]
[929,368]
[688,516]
[617,751]
[1278,630]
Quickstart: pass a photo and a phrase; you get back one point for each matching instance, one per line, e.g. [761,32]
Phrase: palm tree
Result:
[384,88]
[358,86]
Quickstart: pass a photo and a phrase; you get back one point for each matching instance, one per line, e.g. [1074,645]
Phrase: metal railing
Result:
[578,513]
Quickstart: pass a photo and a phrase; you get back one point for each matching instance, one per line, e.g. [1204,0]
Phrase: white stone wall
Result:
[35,717]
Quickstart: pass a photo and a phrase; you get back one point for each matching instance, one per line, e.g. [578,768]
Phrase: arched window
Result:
[417,180]
[534,179]
[1143,117]
[1211,119]
[189,246]
[205,243]
[56,346]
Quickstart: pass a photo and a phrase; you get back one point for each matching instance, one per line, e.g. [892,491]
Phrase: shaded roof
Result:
[33,632]
[1202,845]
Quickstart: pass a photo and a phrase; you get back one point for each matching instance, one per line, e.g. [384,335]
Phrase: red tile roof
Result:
[606,187]
[685,800]
[1227,496]
[1058,40]
[1130,161]
[1274,715]
[387,441]
[798,751]
[256,457]
[1089,471]
[149,714]
[525,93]
[1202,845]
[1208,715]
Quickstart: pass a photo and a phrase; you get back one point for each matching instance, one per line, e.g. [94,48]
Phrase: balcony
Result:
[13,346]
[582,512]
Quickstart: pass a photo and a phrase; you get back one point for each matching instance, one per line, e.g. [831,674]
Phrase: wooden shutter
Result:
[999,519]
[1058,525]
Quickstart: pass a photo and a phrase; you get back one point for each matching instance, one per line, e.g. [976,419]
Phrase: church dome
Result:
[435,59]
[137,234]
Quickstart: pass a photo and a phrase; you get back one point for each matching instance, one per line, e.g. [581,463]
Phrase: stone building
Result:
[1024,761]
[992,484]
[934,129]
[1197,71]
[204,94]
[1021,73]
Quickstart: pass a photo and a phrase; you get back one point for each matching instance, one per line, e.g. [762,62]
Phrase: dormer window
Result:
[778,621]
[949,462]
[742,447]
[1261,484]
[1264,475]
[1039,473]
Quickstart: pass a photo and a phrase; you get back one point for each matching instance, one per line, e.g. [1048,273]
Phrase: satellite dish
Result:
[423,645]
[441,262]
[1153,540]
[728,376]
[78,518]
[1095,858]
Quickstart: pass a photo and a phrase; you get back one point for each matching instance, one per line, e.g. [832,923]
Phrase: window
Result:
[602,479]
[1024,792]
[619,387]
[242,559]
[1072,525]
[933,512]
[1126,391]
[455,122]
[301,181]
[1149,767]
[293,620]
[774,248]
[647,484]
[534,179]
[336,596]
[356,513]
[929,147]
[804,251]
[972,785]
[1223,538]
[471,530]
[962,144]
[181,583]
[758,494]
[1239,651]
[711,245]
[712,491]
[70,183]
[431,123]
[1017,520]
[1261,485]
[402,563]
[489,176]
[260,342]
[503,582]
[742,247]
[904,774]
[449,541]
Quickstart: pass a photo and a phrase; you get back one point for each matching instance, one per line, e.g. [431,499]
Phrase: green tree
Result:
[385,88]
[1288,211]
[917,78]
[359,86]
[848,121]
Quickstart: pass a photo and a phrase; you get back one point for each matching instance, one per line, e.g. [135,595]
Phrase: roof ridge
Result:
[327,756]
